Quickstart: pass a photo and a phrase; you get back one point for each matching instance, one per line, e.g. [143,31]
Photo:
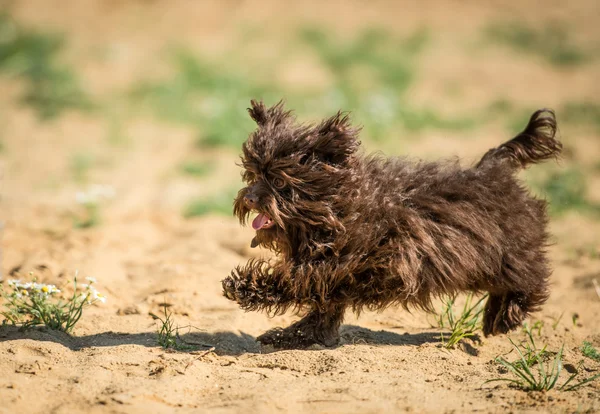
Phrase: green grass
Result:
[531,354]
[463,325]
[581,113]
[379,100]
[417,119]
[531,372]
[50,87]
[371,74]
[575,114]
[204,95]
[566,191]
[220,203]
[551,42]
[588,350]
[536,326]
[500,107]
[556,320]
[196,168]
[392,61]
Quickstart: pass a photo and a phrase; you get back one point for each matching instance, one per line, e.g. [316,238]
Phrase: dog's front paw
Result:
[243,290]
[228,288]
[249,291]
[232,288]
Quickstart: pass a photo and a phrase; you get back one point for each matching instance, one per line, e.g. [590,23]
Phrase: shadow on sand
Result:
[224,343]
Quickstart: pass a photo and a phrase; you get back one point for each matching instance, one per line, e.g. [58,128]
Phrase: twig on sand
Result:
[200,355]
[596,286]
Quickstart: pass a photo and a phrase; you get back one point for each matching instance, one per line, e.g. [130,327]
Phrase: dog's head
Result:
[293,173]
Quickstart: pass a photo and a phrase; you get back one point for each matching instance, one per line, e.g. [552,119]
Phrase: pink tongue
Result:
[259,221]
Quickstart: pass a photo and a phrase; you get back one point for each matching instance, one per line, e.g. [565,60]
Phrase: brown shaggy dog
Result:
[368,232]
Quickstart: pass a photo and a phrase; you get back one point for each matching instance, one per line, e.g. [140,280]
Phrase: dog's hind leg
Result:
[520,289]
[317,327]
[492,309]
[503,313]
[510,312]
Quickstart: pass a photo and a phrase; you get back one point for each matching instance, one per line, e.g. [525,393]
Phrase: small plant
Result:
[537,326]
[545,377]
[531,353]
[589,351]
[556,321]
[464,325]
[90,216]
[90,202]
[33,304]
[168,333]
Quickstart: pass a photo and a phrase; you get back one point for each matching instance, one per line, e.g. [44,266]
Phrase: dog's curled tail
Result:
[535,144]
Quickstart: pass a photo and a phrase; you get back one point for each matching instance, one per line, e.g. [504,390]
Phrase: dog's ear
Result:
[263,115]
[334,140]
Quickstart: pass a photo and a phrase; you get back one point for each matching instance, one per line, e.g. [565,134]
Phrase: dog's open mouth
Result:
[262,222]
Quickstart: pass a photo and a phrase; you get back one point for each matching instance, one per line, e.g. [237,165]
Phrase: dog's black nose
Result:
[250,200]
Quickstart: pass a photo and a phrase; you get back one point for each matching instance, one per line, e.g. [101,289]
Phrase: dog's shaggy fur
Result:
[368,232]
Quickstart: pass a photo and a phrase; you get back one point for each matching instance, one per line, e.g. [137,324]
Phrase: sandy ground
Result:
[144,254]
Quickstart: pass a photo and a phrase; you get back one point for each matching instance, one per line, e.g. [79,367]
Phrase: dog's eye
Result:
[279,183]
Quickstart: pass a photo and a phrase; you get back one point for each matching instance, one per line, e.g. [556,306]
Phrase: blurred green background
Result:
[149,98]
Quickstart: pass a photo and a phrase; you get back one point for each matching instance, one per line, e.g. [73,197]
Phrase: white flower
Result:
[82,198]
[38,287]
[50,289]
[84,286]
[13,282]
[26,286]
[91,279]
[96,296]
[94,194]
[99,297]
[92,295]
